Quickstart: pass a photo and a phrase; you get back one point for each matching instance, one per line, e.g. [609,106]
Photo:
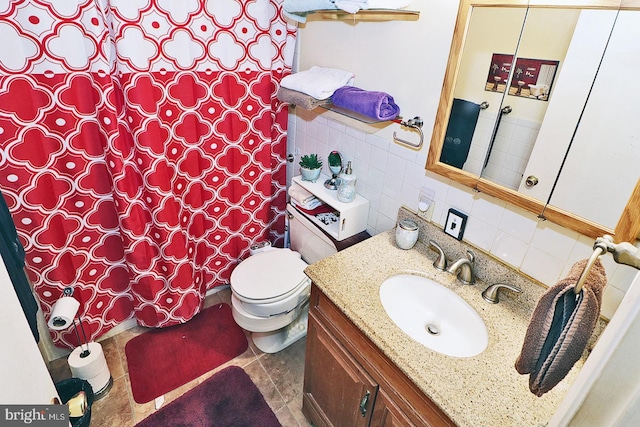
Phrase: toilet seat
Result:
[271,283]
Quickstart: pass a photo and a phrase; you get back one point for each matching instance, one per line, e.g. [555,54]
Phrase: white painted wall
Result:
[606,392]
[408,60]
[23,372]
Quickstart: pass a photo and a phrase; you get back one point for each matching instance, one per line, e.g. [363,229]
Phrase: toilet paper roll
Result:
[87,367]
[100,381]
[64,310]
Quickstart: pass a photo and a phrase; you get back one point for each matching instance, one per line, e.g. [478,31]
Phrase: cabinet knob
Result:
[531,181]
[363,403]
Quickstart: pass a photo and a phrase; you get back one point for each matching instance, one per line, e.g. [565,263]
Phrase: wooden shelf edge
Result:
[370,15]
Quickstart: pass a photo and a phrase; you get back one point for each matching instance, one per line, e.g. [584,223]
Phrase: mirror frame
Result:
[628,227]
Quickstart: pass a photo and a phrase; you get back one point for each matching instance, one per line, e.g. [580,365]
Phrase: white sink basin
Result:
[434,315]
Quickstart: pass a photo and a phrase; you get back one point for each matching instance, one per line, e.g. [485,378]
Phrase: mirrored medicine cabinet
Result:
[539,108]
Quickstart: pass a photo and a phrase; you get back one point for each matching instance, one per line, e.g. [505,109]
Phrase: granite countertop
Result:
[483,390]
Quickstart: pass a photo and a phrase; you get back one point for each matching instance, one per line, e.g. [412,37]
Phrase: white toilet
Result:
[269,290]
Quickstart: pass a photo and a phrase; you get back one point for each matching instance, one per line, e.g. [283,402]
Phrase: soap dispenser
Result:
[347,185]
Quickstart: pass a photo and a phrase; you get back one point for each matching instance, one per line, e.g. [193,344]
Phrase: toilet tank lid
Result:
[268,274]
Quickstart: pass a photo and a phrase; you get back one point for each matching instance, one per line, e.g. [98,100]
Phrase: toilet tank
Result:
[307,239]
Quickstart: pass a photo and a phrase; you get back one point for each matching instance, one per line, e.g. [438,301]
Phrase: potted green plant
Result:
[310,167]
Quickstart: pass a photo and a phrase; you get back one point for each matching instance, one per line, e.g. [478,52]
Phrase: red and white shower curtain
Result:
[142,149]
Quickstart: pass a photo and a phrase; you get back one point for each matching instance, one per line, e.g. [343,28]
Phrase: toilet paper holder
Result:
[87,361]
[83,342]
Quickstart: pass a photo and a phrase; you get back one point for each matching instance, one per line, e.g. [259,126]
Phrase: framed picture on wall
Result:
[533,78]
[498,72]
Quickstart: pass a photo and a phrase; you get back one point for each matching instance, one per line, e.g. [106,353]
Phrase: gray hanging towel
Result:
[462,124]
[13,257]
[560,328]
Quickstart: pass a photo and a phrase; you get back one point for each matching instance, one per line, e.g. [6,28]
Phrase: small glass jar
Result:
[406,234]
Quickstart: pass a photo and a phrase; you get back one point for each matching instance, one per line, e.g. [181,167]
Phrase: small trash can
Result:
[67,389]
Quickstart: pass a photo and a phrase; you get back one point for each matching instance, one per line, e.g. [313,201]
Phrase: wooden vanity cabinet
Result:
[349,382]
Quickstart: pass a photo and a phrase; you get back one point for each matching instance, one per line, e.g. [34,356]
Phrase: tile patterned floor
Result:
[278,376]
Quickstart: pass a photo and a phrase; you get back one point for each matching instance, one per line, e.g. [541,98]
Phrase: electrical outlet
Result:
[455,224]
[297,152]
[426,203]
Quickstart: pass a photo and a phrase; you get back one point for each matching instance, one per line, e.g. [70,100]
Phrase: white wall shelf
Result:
[352,216]
[370,15]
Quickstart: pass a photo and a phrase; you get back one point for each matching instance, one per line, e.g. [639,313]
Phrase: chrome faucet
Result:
[463,268]
[441,262]
[492,292]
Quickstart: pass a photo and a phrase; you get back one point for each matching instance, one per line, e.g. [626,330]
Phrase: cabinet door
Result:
[387,414]
[337,391]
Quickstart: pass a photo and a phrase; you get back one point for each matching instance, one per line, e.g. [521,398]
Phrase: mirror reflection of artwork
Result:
[532,78]
[499,72]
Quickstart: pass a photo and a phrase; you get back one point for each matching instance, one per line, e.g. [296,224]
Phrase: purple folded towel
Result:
[376,105]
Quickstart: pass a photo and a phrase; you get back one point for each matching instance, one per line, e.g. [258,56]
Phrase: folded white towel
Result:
[388,4]
[310,205]
[319,82]
[352,6]
[300,195]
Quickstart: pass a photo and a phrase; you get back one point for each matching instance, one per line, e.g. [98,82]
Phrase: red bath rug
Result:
[162,360]
[229,398]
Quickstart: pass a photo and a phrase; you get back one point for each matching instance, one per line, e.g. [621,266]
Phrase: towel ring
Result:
[415,123]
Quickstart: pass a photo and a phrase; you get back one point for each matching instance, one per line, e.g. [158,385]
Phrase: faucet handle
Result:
[471,256]
[441,262]
[491,293]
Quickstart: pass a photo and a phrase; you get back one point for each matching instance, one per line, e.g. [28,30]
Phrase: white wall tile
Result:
[518,224]
[554,240]
[389,206]
[356,133]
[438,184]
[375,178]
[610,301]
[322,133]
[488,211]
[409,195]
[362,152]
[395,166]
[347,147]
[334,124]
[509,249]
[413,175]
[372,194]
[480,233]
[622,277]
[311,129]
[460,198]
[391,186]
[542,266]
[378,158]
[360,170]
[439,212]
[384,223]
[376,141]
[403,152]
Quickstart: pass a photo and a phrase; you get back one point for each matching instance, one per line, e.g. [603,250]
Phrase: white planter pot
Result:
[310,174]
